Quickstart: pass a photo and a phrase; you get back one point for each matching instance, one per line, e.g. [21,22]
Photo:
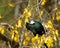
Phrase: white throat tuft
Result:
[31,22]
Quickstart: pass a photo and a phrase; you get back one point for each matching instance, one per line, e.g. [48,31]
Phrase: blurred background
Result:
[17,12]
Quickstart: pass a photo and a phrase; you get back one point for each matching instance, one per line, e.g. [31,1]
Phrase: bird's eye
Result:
[32,22]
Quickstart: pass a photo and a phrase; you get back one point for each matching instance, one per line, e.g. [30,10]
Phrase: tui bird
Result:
[36,28]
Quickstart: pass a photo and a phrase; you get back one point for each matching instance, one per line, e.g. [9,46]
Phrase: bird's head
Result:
[30,25]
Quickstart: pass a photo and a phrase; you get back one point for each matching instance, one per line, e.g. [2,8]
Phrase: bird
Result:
[36,28]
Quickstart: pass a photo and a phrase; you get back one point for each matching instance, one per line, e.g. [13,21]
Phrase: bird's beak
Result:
[26,23]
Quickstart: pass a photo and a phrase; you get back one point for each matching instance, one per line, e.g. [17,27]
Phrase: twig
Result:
[18,2]
[9,44]
[21,40]
[28,3]
[16,11]
[5,24]
[36,4]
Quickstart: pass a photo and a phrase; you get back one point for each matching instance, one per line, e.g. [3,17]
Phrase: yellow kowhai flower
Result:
[49,24]
[33,40]
[22,16]
[26,20]
[58,15]
[2,29]
[55,9]
[59,12]
[43,2]
[42,41]
[39,46]
[19,25]
[49,41]
[16,38]
[52,17]
[36,37]
[38,41]
[10,4]
[25,42]
[29,13]
[26,33]
[16,31]
[43,37]
[41,13]
[13,34]
[28,38]
[25,10]
[55,38]
[52,32]
[56,33]
[58,18]
[12,27]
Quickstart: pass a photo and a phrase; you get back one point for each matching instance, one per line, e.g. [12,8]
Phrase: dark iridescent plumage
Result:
[35,28]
